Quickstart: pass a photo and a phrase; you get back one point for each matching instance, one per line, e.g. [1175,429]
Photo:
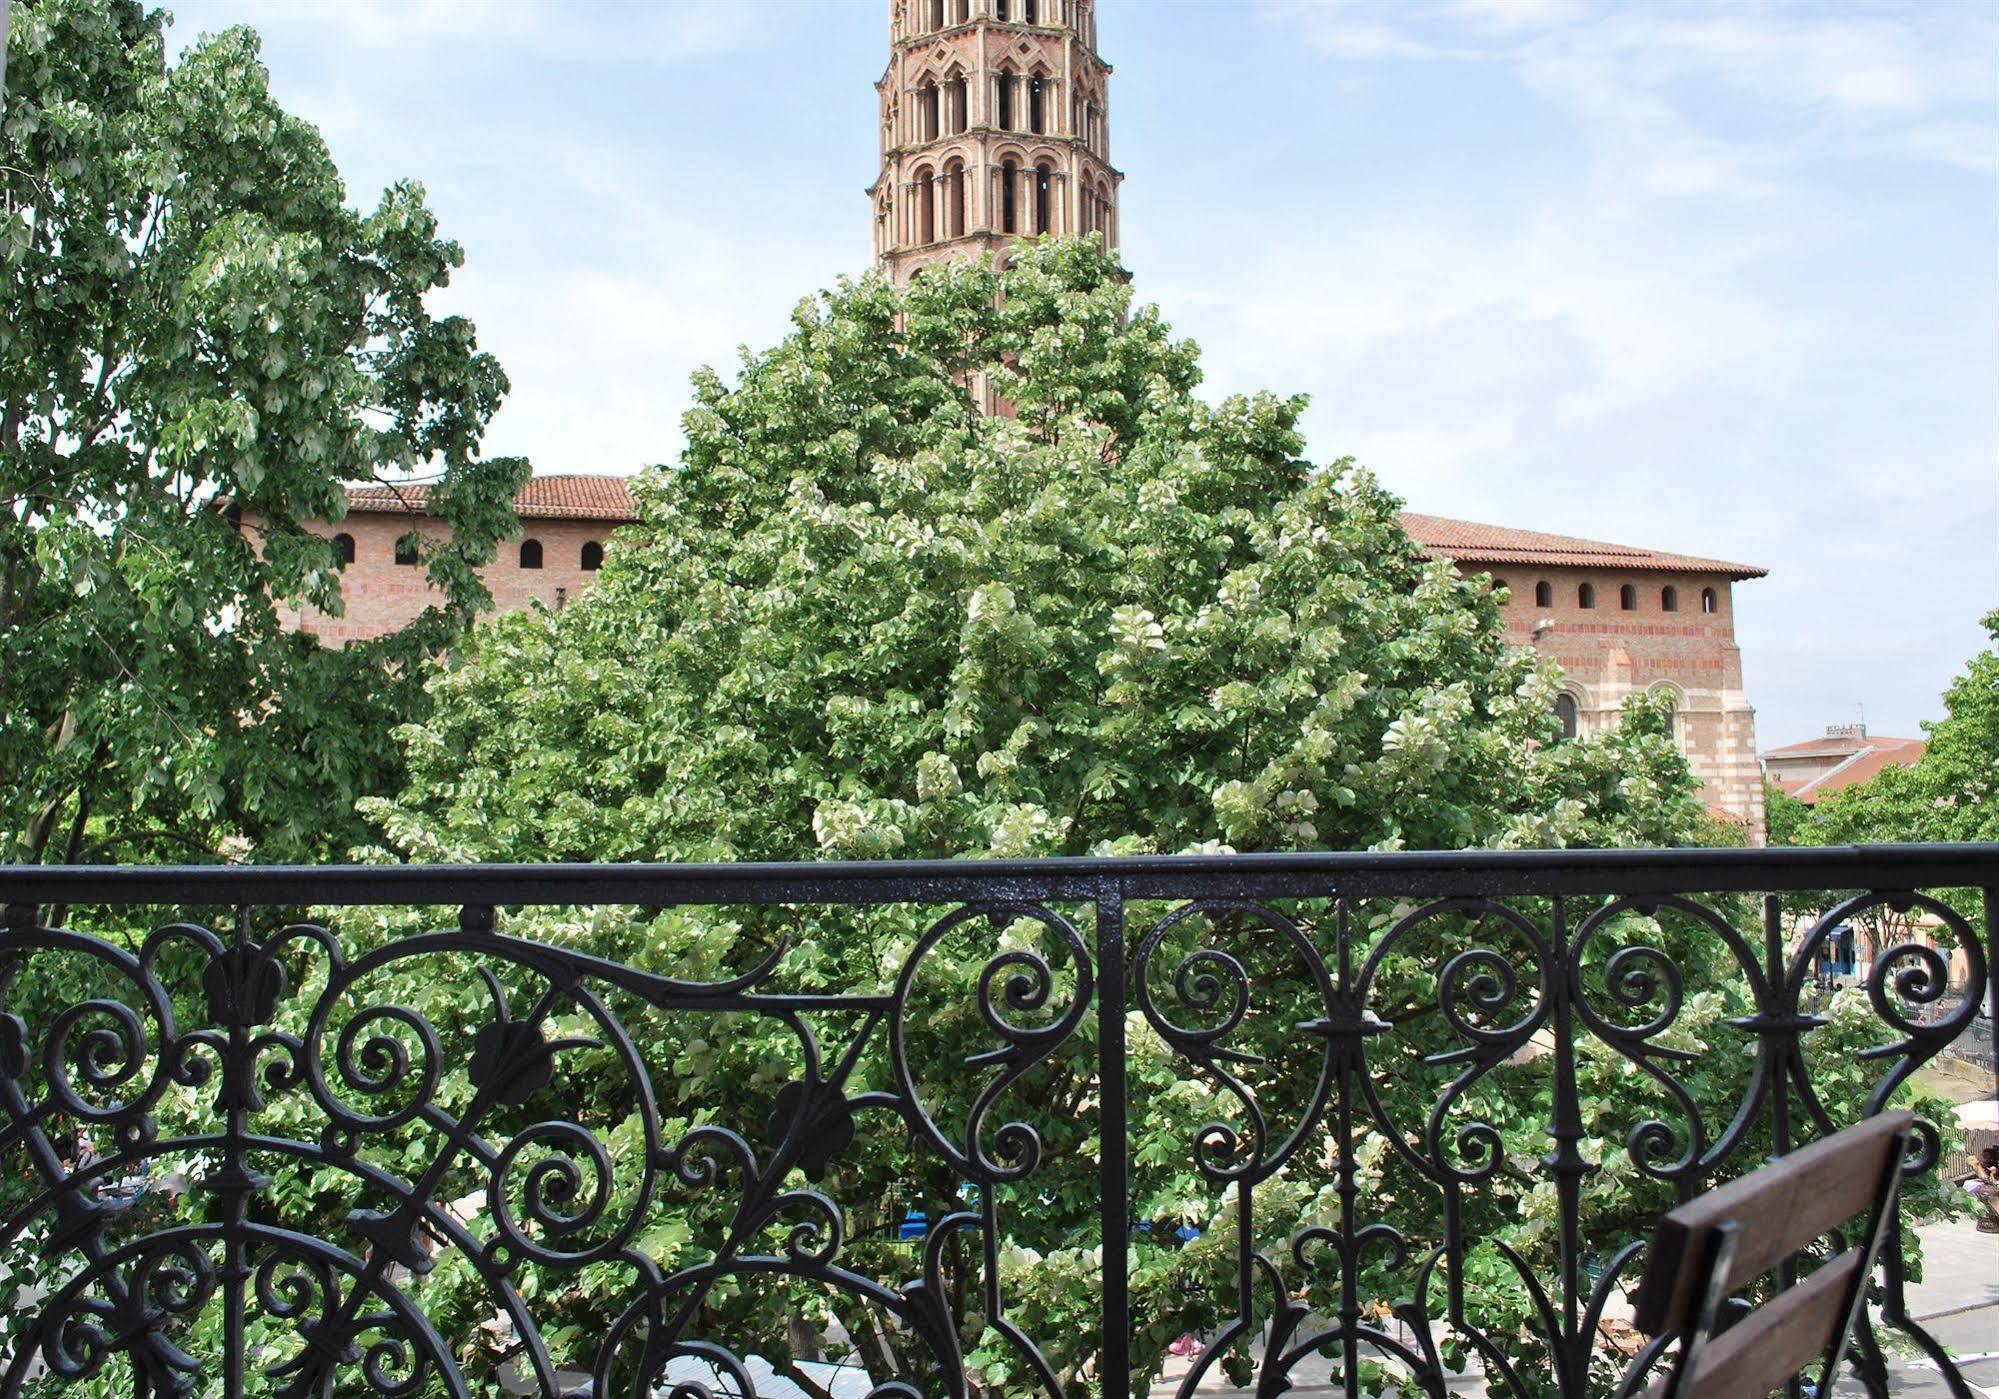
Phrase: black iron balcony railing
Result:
[912,1128]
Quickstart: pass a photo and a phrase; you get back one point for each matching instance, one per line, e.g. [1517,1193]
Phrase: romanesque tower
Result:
[993,126]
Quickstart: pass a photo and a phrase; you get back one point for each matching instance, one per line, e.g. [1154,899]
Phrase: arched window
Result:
[1037,103]
[343,548]
[1627,598]
[1030,12]
[936,12]
[1669,599]
[530,553]
[1586,595]
[926,208]
[1567,714]
[1710,600]
[927,124]
[1544,594]
[954,199]
[593,557]
[1009,196]
[1044,199]
[1003,100]
[406,550]
[1672,717]
[1002,10]
[954,104]
[1500,594]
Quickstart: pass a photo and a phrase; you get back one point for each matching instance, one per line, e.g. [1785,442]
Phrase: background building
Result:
[1618,620]
[1846,756]
[565,523]
[995,126]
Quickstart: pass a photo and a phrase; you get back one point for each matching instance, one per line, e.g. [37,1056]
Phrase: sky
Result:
[1720,279]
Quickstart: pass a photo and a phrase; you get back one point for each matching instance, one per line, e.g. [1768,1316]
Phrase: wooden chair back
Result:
[1711,1246]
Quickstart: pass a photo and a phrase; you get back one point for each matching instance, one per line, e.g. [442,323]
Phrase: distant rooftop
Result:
[578,497]
[594,497]
[1850,754]
[1468,541]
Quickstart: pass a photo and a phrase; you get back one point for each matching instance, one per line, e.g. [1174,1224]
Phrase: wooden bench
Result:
[1708,1248]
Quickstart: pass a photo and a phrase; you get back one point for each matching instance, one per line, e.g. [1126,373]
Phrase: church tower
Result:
[993,126]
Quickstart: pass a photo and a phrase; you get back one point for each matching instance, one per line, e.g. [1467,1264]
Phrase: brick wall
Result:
[381,595]
[1606,653]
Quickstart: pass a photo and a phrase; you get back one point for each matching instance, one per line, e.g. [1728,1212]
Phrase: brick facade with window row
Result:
[1619,619]
[1677,635]
[566,524]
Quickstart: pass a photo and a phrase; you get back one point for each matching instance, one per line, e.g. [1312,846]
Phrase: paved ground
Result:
[1958,1303]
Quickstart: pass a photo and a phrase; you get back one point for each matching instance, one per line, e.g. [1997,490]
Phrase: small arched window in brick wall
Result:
[593,557]
[406,550]
[1500,595]
[1586,595]
[343,548]
[1710,600]
[1544,594]
[1627,598]
[530,553]
[1669,599]
[1567,714]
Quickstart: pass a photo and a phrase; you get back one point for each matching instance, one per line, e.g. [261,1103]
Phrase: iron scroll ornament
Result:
[548,1196]
[483,1144]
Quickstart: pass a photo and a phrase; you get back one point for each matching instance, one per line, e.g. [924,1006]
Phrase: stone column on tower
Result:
[1031,46]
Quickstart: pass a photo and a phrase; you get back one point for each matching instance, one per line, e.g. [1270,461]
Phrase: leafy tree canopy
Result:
[863,617]
[201,341]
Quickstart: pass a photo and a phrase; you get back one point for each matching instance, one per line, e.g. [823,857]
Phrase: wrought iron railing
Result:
[1372,1119]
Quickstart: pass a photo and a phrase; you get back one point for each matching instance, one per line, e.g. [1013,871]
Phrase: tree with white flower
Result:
[861,617]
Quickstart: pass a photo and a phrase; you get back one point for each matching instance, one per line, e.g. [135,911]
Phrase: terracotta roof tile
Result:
[1467,541]
[1861,766]
[596,497]
[543,498]
[1839,745]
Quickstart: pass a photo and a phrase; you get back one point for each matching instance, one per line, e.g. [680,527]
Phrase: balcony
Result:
[1402,1120]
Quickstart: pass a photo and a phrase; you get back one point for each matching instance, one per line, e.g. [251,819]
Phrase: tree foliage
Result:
[863,617]
[200,342]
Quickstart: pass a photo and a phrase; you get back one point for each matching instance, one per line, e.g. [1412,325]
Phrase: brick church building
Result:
[995,126]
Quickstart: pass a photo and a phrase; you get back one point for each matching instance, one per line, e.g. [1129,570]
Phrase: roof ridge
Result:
[1474,541]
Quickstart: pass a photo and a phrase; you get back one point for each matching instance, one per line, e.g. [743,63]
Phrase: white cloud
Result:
[1703,99]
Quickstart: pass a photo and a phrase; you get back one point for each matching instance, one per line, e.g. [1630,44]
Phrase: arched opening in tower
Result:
[926,208]
[1009,197]
[926,108]
[954,200]
[954,115]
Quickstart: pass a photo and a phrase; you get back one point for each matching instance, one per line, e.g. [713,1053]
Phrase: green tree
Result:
[1784,815]
[863,617]
[200,342]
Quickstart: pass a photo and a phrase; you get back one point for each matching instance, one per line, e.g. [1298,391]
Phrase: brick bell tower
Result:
[994,126]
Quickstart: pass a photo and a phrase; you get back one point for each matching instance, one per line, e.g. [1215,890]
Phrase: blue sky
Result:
[1716,278]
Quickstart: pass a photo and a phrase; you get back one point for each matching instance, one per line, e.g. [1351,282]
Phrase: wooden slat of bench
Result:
[1772,1344]
[1780,1208]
